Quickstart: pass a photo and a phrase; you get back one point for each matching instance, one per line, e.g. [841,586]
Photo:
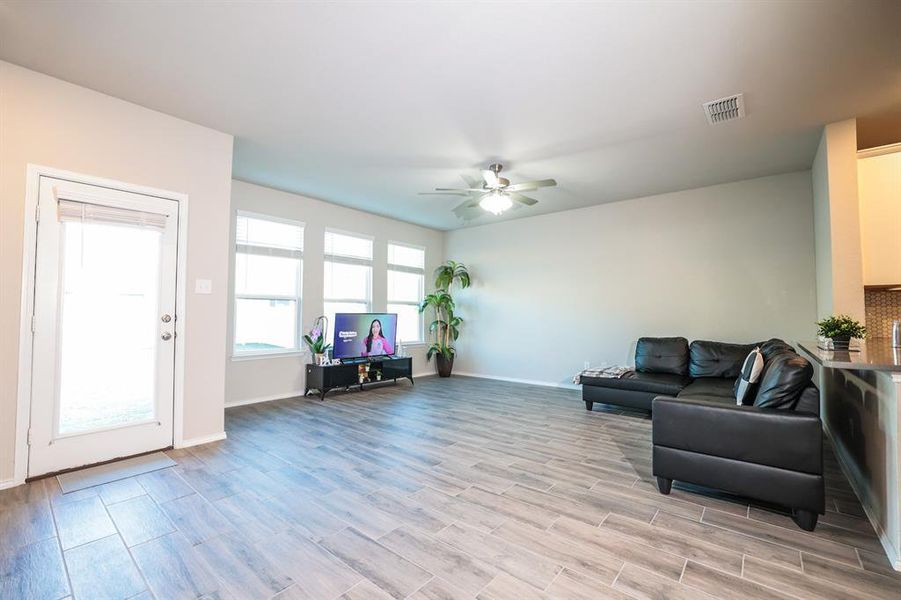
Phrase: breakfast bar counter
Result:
[860,405]
[875,354]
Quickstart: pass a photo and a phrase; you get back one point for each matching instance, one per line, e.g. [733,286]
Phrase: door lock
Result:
[166,336]
[165,318]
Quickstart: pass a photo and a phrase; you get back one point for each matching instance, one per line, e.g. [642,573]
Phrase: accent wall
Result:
[732,262]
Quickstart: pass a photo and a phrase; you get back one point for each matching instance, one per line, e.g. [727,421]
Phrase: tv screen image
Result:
[364,334]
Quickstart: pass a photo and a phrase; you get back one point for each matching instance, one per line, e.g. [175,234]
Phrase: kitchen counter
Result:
[860,405]
[875,354]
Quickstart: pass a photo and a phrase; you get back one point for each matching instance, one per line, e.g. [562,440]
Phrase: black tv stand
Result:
[331,377]
[366,359]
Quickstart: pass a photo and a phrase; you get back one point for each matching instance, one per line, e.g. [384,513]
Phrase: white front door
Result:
[104,325]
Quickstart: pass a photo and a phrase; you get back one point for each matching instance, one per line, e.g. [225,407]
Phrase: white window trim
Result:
[416,271]
[412,246]
[350,260]
[269,354]
[298,348]
[274,218]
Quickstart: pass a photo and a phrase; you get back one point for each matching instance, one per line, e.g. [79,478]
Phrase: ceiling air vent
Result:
[725,109]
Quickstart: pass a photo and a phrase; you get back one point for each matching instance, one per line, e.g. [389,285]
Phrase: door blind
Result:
[72,210]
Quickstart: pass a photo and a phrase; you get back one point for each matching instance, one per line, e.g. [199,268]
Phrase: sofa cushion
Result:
[809,400]
[662,355]
[709,386]
[723,400]
[774,346]
[785,376]
[664,384]
[716,359]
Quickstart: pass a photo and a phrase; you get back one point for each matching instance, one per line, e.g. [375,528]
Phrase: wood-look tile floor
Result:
[459,488]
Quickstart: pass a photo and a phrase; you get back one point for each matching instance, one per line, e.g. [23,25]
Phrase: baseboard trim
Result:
[271,398]
[892,554]
[298,394]
[10,483]
[216,437]
[565,386]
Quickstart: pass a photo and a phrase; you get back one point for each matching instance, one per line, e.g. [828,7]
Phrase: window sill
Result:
[413,344]
[268,355]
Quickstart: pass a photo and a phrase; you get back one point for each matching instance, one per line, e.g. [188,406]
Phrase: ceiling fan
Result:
[493,193]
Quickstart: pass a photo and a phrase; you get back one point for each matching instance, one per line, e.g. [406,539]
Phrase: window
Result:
[268,274]
[406,285]
[348,275]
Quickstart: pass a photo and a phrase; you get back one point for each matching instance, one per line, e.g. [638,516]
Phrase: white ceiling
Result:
[367,103]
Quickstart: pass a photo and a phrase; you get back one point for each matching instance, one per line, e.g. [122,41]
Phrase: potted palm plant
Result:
[840,329]
[446,326]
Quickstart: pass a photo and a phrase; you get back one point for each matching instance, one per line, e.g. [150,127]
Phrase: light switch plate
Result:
[203,286]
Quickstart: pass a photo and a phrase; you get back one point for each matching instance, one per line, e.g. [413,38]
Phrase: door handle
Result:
[166,336]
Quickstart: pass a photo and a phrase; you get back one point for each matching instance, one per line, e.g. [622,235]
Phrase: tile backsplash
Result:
[882,307]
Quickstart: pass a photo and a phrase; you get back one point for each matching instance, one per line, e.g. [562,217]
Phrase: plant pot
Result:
[841,342]
[318,357]
[445,365]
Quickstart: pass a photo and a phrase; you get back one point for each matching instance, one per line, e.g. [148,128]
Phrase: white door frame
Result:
[29,247]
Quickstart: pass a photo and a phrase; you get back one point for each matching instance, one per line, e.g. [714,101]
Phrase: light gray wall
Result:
[819,175]
[839,254]
[49,122]
[732,262]
[249,379]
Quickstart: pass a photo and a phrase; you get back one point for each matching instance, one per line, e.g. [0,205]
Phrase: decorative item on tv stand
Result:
[315,340]
[839,330]
[446,326]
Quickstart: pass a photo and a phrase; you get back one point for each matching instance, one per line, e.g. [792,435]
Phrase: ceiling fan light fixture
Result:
[496,202]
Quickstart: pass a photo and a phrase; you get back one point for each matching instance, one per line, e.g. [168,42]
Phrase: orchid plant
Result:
[316,338]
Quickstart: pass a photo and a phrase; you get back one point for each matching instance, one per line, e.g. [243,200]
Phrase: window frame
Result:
[297,298]
[348,260]
[413,270]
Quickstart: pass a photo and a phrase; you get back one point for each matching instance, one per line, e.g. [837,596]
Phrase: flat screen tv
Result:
[364,335]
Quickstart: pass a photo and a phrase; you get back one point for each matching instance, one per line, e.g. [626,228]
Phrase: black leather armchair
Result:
[769,454]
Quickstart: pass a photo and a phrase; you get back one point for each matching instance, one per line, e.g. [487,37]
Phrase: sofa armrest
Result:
[777,438]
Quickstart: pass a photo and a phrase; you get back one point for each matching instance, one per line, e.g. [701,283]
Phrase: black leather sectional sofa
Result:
[771,450]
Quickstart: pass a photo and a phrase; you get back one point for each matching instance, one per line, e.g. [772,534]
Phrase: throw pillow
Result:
[750,375]
[784,378]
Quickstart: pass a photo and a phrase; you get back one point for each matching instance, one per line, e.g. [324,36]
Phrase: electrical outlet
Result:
[587,365]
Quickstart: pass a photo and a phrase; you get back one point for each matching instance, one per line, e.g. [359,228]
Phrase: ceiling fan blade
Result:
[448,193]
[468,190]
[471,182]
[468,213]
[490,178]
[474,203]
[524,200]
[530,185]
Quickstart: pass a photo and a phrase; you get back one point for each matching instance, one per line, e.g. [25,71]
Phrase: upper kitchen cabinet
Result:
[879,193]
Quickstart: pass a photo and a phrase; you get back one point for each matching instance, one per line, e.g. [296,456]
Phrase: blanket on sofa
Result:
[605,372]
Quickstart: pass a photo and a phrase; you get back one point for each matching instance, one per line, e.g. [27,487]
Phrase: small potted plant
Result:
[840,329]
[316,340]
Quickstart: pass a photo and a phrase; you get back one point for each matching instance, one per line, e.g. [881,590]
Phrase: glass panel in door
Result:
[109,321]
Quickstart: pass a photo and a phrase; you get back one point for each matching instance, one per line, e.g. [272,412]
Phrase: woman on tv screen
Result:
[375,344]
